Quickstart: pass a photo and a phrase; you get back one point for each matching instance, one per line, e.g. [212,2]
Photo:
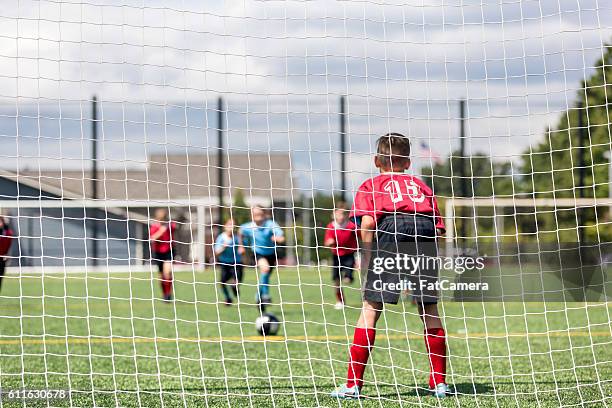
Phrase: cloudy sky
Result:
[281,66]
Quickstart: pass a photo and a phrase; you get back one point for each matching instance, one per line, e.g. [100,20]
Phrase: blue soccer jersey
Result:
[259,237]
[230,255]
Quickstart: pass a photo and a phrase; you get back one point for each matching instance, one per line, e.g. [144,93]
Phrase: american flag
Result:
[426,153]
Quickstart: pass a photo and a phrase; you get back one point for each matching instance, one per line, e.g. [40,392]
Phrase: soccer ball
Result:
[267,325]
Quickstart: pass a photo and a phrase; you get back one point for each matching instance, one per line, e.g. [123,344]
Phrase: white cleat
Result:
[442,390]
[339,306]
[344,392]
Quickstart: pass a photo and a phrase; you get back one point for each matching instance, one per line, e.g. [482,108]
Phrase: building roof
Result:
[261,176]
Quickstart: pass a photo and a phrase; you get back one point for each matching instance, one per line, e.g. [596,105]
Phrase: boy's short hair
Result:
[393,150]
[341,205]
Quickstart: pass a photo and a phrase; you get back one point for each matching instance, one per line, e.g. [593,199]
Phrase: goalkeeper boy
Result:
[396,211]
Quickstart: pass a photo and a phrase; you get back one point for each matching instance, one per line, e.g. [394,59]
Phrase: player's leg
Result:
[167,279]
[336,280]
[363,342]
[263,289]
[348,265]
[226,275]
[339,295]
[238,271]
[159,262]
[435,344]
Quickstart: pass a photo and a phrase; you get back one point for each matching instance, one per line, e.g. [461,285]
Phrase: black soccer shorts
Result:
[343,266]
[159,258]
[231,272]
[409,237]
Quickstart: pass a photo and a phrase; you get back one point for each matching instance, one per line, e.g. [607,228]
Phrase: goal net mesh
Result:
[130,132]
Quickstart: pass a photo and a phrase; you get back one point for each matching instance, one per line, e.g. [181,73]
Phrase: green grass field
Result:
[112,341]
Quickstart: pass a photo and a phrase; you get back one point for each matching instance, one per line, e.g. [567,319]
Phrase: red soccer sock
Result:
[169,285]
[162,283]
[339,295]
[363,341]
[435,343]
[166,285]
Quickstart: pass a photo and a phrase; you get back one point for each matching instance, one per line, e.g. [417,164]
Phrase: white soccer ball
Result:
[267,325]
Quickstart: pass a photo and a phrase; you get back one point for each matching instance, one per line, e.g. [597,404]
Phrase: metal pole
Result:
[220,161]
[581,169]
[94,176]
[343,148]
[462,158]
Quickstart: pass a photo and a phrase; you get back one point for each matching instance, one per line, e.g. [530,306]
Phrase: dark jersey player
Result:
[397,209]
[228,254]
[341,238]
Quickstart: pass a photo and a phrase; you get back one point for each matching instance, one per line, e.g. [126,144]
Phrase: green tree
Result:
[484,178]
[552,167]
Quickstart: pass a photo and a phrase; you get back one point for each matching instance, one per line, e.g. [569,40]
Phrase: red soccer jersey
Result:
[390,193]
[6,239]
[163,243]
[344,236]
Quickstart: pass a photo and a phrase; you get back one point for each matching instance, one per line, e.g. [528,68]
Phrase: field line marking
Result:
[255,339]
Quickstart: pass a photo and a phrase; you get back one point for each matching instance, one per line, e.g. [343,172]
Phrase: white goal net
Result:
[173,175]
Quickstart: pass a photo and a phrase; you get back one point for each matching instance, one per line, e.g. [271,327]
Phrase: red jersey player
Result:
[161,234]
[341,237]
[395,208]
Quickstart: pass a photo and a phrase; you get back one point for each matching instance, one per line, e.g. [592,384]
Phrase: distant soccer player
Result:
[228,252]
[262,235]
[161,234]
[395,208]
[341,237]
[6,239]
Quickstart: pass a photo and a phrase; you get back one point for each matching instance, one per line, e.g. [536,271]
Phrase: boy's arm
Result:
[241,250]
[160,231]
[440,227]
[220,246]
[368,225]
[329,240]
[277,234]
